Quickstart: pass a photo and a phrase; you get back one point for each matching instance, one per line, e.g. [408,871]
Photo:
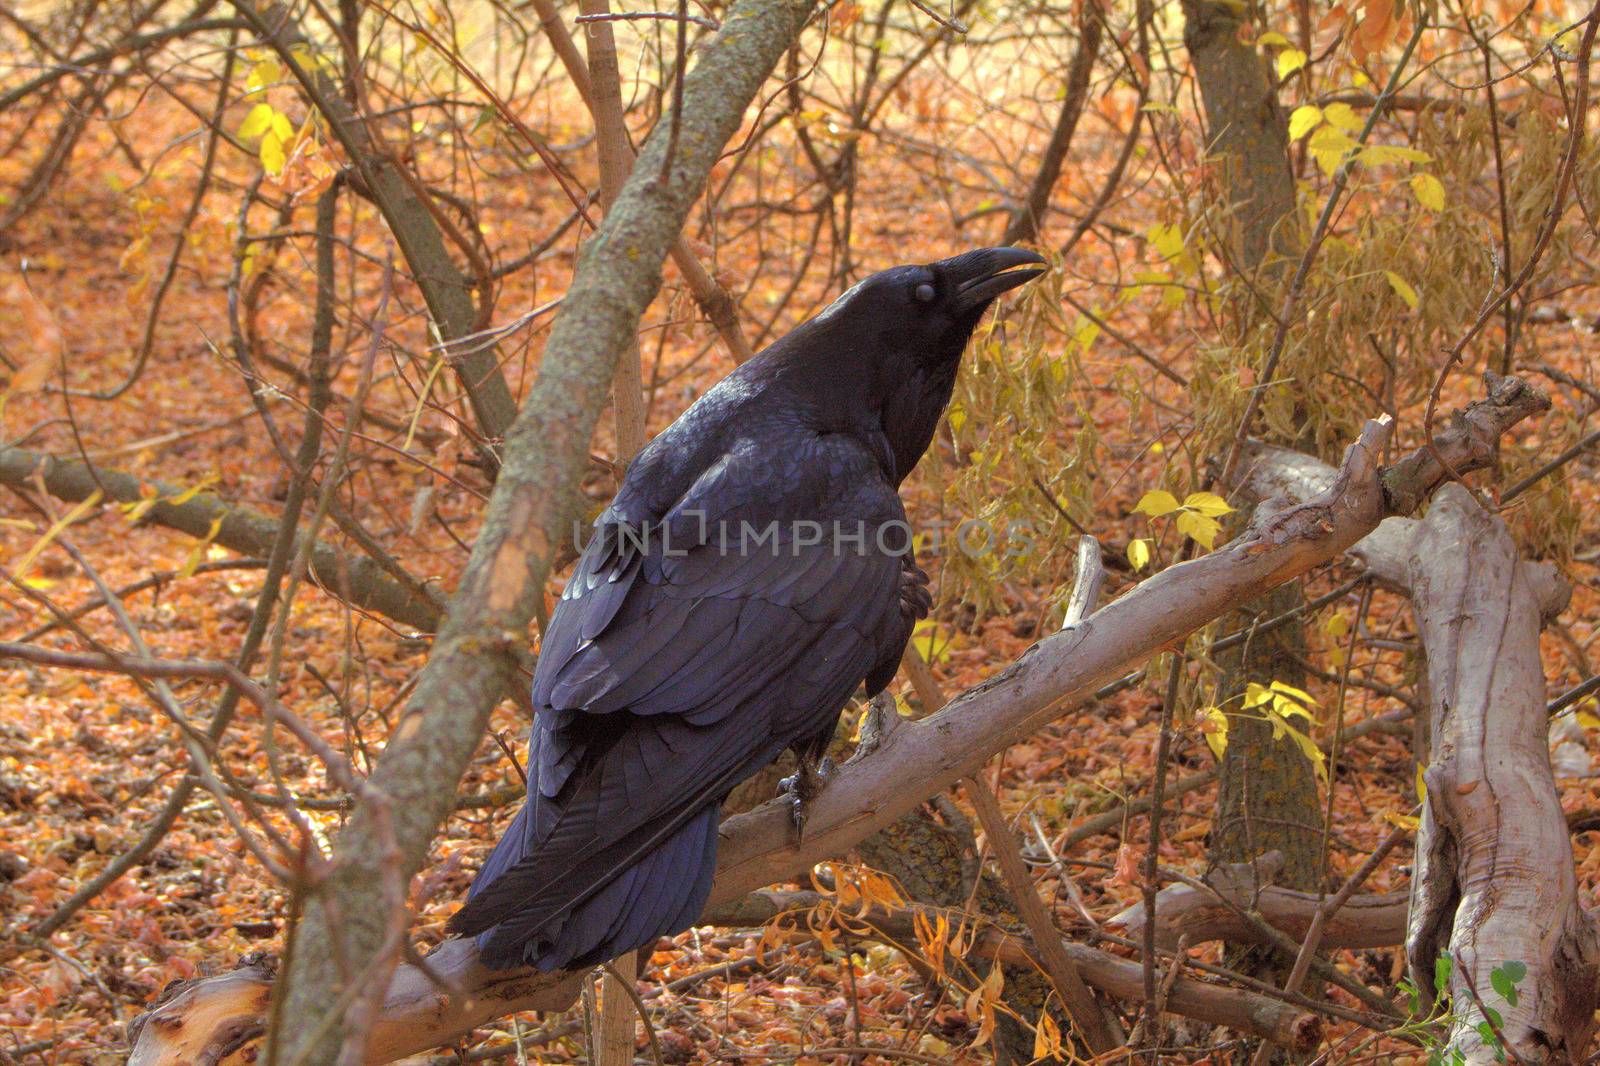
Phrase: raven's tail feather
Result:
[662,893]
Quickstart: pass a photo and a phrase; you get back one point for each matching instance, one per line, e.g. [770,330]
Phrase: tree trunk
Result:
[1494,883]
[1248,138]
[1267,793]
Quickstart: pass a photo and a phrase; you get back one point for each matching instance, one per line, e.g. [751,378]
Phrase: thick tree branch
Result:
[447,291]
[355,579]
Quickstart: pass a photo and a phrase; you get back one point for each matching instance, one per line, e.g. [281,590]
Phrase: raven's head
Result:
[893,343]
[931,310]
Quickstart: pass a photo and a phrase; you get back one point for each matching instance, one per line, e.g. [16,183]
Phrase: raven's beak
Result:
[982,275]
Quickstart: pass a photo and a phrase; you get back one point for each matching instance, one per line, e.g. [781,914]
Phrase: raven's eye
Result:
[925,293]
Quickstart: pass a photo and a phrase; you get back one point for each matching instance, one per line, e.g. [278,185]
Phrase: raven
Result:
[753,570]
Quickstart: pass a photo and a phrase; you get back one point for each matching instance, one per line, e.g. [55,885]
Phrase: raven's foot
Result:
[801,787]
[915,599]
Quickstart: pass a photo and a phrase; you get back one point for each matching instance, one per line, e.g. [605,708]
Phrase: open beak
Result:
[982,275]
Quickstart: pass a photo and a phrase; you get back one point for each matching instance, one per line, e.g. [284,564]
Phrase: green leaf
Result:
[1402,288]
[1441,972]
[1156,503]
[1428,190]
[1289,61]
[1503,985]
[1515,971]
[1303,120]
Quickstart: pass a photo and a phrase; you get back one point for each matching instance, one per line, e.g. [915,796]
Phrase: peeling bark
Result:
[1494,880]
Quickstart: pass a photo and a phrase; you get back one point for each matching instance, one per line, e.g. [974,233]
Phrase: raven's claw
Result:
[801,787]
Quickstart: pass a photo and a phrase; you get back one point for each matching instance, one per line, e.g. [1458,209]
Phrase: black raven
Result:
[753,570]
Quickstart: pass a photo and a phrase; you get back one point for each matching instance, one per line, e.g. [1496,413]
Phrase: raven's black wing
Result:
[670,673]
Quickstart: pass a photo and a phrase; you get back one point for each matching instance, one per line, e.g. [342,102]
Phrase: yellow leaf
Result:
[1139,554]
[1328,161]
[263,75]
[1201,529]
[257,122]
[1167,240]
[1046,1037]
[958,416]
[1378,155]
[40,583]
[282,126]
[1214,726]
[1087,333]
[1289,61]
[1300,695]
[83,508]
[1156,503]
[1429,191]
[1304,119]
[1207,503]
[1272,37]
[198,552]
[925,636]
[1309,749]
[194,490]
[272,154]
[1588,719]
[1336,626]
[1344,116]
[1256,694]
[1330,139]
[1402,288]
[1402,821]
[1422,785]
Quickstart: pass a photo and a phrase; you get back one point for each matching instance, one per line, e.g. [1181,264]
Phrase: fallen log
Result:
[207,1021]
[906,764]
